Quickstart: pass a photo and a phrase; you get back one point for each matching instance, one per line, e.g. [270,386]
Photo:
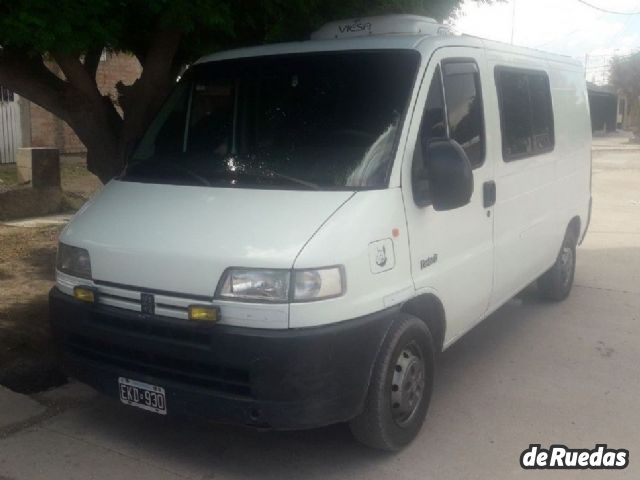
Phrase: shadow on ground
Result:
[28,358]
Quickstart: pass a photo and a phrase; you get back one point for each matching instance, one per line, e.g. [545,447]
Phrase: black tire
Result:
[392,416]
[555,284]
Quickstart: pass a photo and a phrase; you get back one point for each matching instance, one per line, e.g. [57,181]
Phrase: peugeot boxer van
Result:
[304,226]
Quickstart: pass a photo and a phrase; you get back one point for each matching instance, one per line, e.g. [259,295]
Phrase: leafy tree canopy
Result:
[625,76]
[126,25]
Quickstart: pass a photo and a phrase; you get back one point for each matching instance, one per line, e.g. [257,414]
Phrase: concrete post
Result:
[39,166]
[25,121]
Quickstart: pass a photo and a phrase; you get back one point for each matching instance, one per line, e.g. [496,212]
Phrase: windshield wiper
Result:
[191,173]
[268,173]
[171,163]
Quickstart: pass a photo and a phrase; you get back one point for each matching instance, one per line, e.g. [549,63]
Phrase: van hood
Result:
[182,238]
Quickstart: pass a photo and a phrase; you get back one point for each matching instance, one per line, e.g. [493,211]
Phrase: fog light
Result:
[202,313]
[84,294]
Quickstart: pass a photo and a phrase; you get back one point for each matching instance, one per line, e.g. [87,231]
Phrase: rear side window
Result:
[526,112]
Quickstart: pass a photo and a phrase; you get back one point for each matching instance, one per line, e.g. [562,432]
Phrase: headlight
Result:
[265,285]
[73,261]
[275,285]
[317,284]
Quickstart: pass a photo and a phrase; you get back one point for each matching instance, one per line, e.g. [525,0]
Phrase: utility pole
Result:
[586,65]
[513,19]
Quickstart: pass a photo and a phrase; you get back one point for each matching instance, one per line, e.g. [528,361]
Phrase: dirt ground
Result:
[28,361]
[76,179]
[74,176]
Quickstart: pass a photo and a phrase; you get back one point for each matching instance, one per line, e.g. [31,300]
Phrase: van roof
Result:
[397,42]
[328,38]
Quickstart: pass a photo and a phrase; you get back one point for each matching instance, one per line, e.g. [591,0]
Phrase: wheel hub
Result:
[566,265]
[407,385]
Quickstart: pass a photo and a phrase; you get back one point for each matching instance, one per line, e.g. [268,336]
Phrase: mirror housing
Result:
[450,174]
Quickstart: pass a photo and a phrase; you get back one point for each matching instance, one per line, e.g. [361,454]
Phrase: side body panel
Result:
[361,238]
[573,167]
[452,251]
[537,196]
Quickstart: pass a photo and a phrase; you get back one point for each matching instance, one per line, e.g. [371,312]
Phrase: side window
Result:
[541,113]
[526,113]
[464,108]
[433,125]
[453,110]
[433,122]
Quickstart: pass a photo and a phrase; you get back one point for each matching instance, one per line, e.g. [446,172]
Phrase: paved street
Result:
[533,372]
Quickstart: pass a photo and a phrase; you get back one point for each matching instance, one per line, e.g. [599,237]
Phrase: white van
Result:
[305,225]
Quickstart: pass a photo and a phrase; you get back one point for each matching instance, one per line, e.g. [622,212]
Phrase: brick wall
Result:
[48,130]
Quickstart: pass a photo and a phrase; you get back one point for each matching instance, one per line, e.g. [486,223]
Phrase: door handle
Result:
[489,194]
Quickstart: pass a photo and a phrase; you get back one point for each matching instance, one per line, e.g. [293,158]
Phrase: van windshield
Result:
[315,121]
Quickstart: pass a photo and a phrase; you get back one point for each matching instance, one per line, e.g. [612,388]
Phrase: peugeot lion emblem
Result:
[147,303]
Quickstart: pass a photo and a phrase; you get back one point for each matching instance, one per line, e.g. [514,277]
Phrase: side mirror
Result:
[450,174]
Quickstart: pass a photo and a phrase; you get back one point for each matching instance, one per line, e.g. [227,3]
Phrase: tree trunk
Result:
[104,152]
[103,164]
[76,100]
[100,134]
[72,94]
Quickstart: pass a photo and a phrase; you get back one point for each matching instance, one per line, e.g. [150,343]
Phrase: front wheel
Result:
[555,284]
[400,389]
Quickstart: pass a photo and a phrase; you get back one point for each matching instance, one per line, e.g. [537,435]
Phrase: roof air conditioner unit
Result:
[381,25]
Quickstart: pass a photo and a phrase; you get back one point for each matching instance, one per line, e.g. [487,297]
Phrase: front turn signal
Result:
[84,294]
[203,313]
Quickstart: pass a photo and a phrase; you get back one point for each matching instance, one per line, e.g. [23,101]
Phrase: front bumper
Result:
[281,379]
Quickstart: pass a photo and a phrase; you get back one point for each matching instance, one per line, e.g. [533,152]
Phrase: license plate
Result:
[142,395]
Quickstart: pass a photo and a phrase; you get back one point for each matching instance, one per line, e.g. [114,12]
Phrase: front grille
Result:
[164,367]
[155,327]
[167,304]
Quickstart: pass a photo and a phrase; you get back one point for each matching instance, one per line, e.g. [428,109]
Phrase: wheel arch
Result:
[428,308]
[575,224]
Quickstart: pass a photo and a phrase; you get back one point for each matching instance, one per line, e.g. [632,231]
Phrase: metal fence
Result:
[10,132]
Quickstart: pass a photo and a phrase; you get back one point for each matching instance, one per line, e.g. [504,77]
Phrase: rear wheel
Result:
[555,284]
[400,389]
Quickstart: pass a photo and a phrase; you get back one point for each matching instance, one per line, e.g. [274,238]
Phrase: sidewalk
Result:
[36,222]
[614,141]
[16,410]
[20,412]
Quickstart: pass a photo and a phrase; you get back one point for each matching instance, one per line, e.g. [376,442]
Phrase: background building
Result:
[603,102]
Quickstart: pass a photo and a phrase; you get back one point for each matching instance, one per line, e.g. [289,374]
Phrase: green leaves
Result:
[43,26]
[625,74]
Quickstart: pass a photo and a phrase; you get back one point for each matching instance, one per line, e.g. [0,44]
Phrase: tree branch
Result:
[145,96]
[92,60]
[30,78]
[87,93]
[93,117]
[77,75]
